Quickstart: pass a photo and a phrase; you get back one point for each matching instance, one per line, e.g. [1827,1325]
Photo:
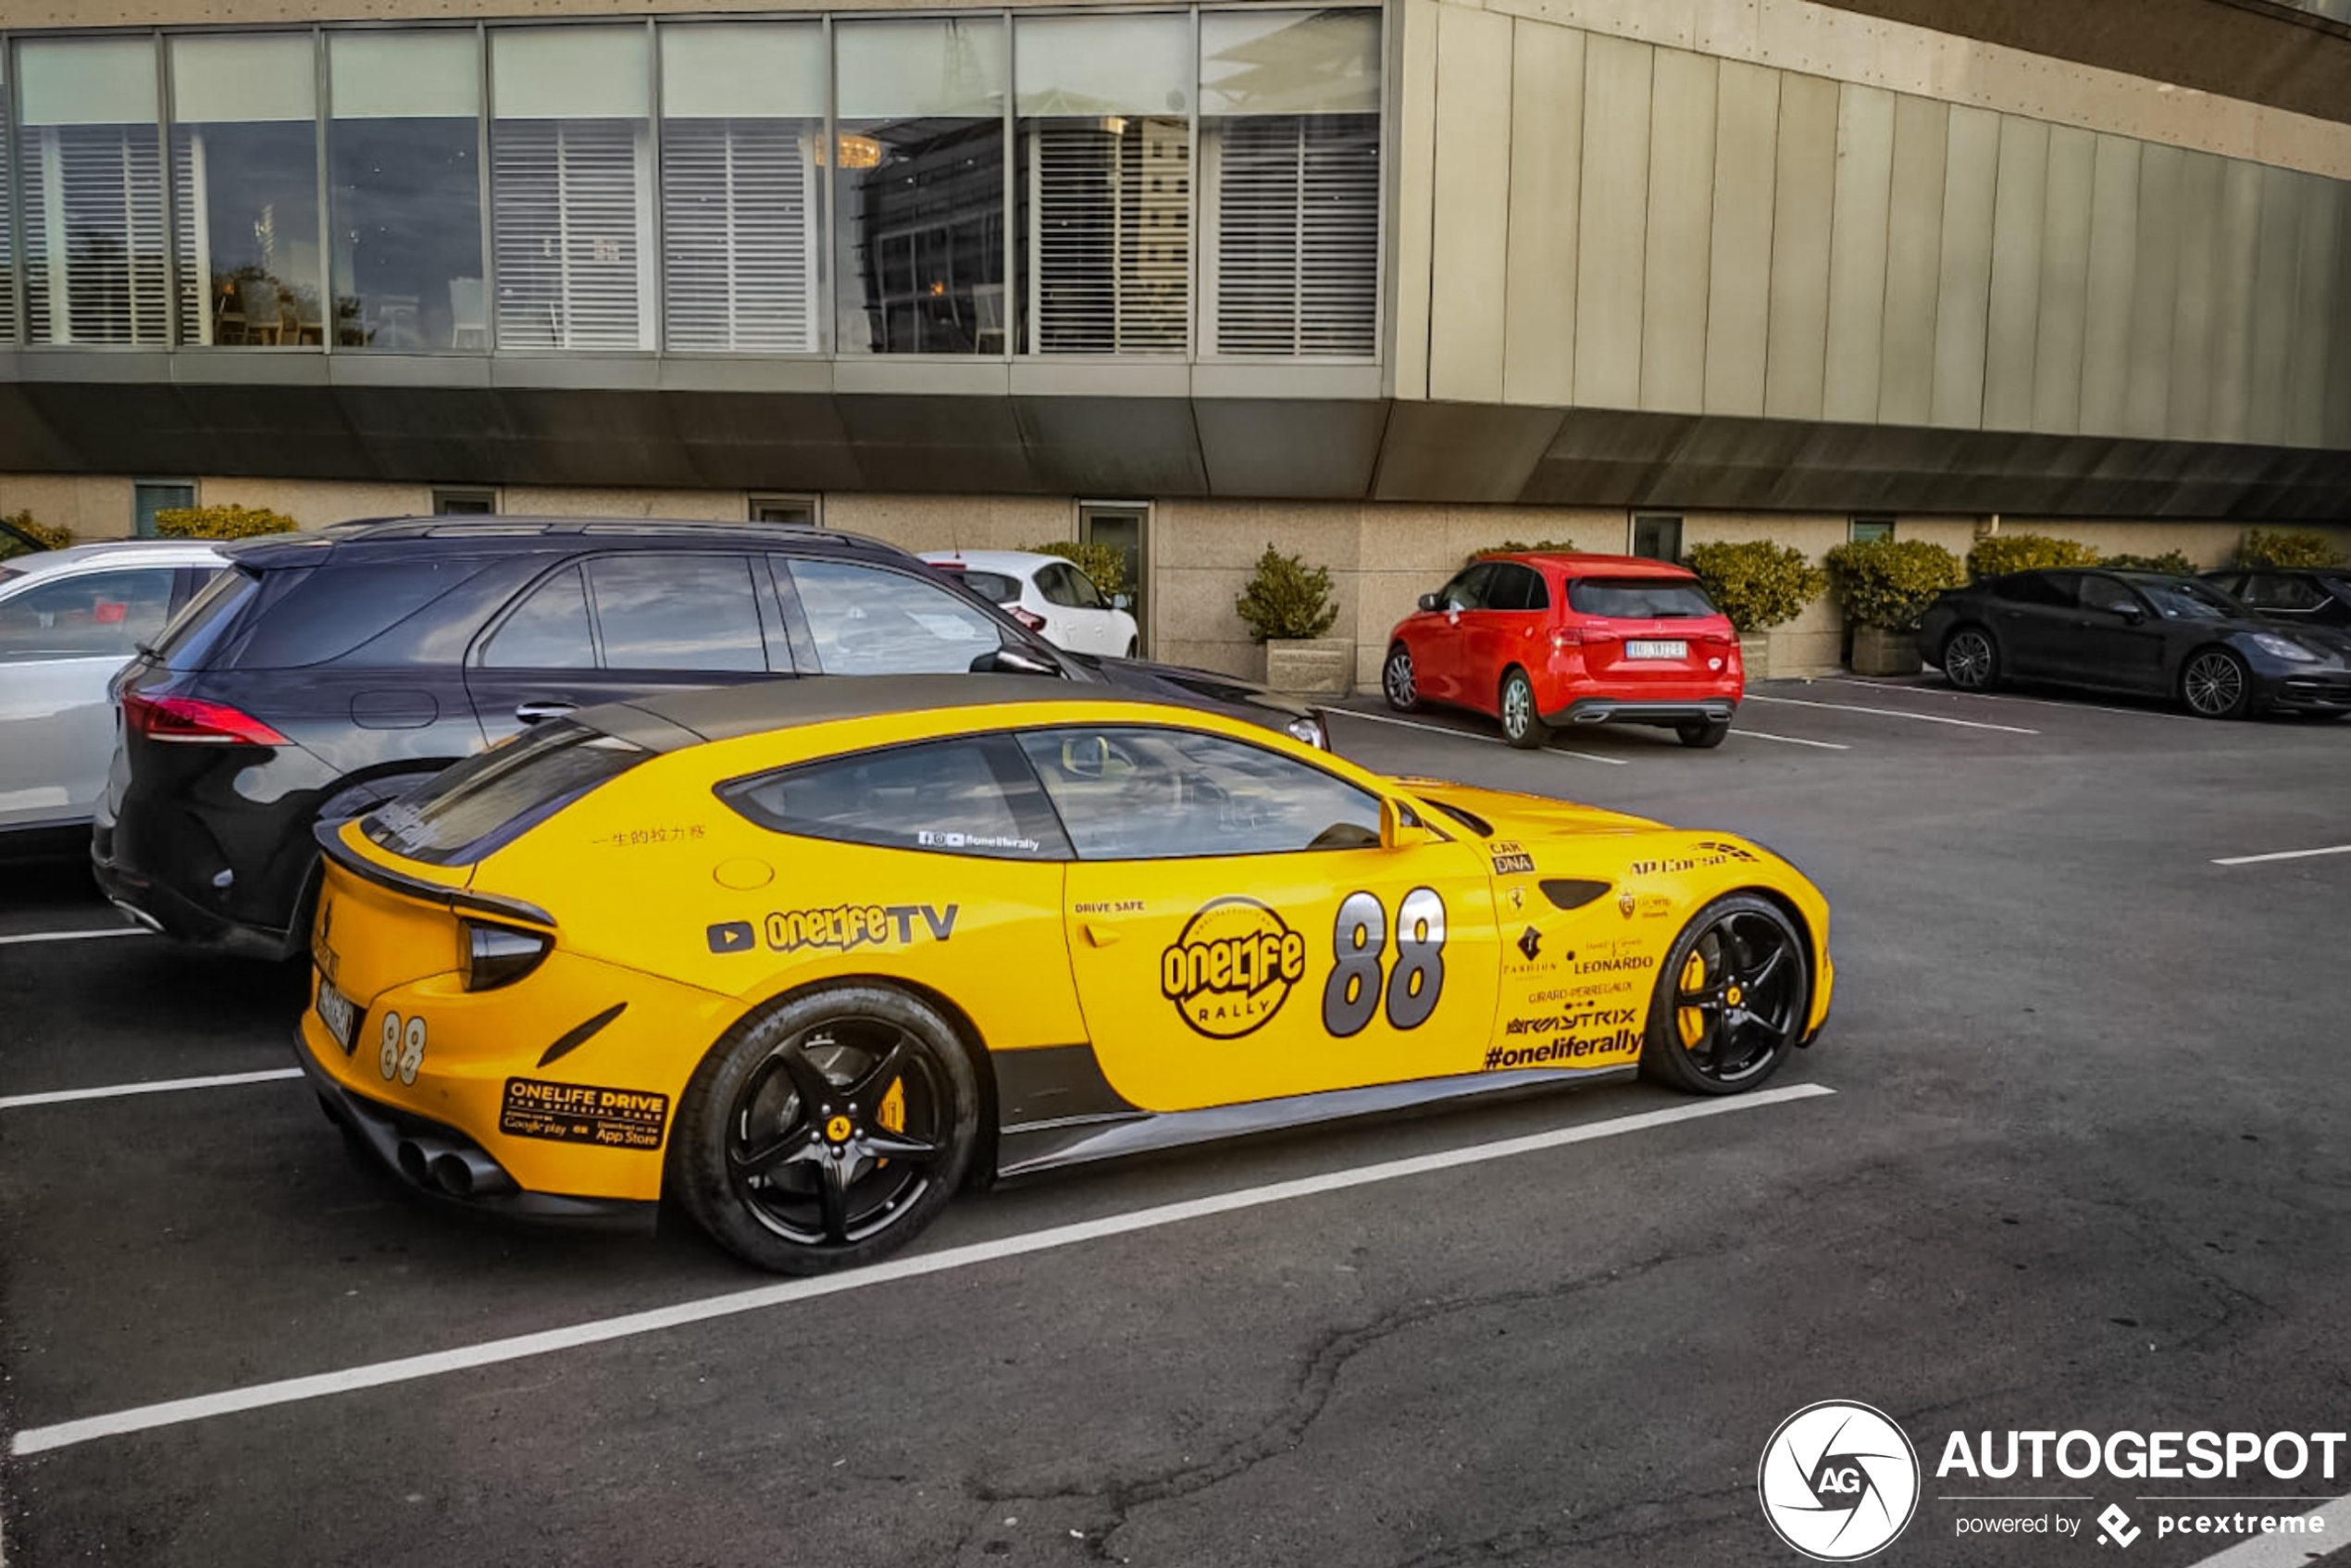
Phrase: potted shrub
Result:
[1883,586]
[1999,553]
[221,522]
[2173,561]
[1287,607]
[1105,564]
[2286,547]
[1758,585]
[1513,547]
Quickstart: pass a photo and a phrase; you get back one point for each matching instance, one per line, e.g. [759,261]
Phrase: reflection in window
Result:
[570,151]
[1289,180]
[93,192]
[919,199]
[244,189]
[404,175]
[973,796]
[869,621]
[1104,191]
[742,115]
[548,631]
[676,612]
[95,616]
[1158,794]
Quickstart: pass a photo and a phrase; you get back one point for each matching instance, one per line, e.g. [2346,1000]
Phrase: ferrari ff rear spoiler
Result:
[330,836]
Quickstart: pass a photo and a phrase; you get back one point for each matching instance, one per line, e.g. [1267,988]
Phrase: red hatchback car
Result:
[1549,640]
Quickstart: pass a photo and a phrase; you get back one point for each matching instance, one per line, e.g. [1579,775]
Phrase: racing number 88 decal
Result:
[404,1047]
[1359,943]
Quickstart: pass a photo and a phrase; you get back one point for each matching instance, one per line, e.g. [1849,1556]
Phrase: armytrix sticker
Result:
[617,1118]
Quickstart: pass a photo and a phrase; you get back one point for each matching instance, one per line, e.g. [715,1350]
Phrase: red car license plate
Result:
[1676,649]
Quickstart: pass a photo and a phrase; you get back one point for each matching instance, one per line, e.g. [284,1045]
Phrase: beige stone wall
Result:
[953,522]
[92,508]
[315,503]
[563,501]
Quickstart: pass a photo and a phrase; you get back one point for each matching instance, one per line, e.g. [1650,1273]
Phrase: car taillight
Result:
[1028,618]
[189,721]
[499,956]
[1566,637]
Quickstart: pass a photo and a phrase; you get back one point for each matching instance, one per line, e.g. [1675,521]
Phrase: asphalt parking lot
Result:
[2081,1164]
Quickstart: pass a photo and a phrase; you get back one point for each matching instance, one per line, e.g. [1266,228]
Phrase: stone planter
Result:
[1309,666]
[1879,651]
[1755,655]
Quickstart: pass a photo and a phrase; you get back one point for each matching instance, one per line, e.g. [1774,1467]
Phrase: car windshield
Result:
[464,813]
[1639,598]
[2181,599]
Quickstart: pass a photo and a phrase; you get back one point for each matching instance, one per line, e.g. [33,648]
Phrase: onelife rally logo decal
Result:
[1233,967]
[1839,1481]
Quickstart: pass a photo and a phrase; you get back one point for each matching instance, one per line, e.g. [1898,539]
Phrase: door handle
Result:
[534,712]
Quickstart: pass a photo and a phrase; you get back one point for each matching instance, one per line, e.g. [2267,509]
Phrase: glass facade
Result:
[1133,184]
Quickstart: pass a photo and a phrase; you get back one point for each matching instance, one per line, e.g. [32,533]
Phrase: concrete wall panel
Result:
[2065,277]
[2189,401]
[2235,257]
[1963,279]
[2314,308]
[2114,258]
[1609,248]
[1547,174]
[1738,311]
[1468,246]
[1678,249]
[1413,199]
[1803,201]
[2277,260]
[2019,201]
[2154,291]
[1857,254]
[1914,259]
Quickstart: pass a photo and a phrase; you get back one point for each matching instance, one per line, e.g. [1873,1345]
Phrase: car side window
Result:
[868,620]
[1538,592]
[1469,589]
[1055,584]
[973,795]
[677,612]
[2100,593]
[548,631]
[1082,591]
[2268,591]
[1142,793]
[2051,590]
[87,616]
[1517,587]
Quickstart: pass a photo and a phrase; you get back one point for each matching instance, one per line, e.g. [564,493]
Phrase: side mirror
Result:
[1011,661]
[1428,601]
[1400,826]
[2132,613]
[1120,602]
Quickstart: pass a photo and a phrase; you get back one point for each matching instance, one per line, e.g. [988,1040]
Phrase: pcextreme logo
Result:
[1233,967]
[1839,1481]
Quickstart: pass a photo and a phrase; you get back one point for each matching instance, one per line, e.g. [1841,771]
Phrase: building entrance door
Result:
[1125,528]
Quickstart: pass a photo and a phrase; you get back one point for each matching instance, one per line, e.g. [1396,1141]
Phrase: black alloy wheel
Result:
[1522,725]
[1732,999]
[2215,684]
[1397,682]
[827,1131]
[1972,660]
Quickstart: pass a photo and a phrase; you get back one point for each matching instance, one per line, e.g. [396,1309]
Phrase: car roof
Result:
[118,553]
[1577,562]
[2282,571]
[1015,563]
[503,534]
[727,712]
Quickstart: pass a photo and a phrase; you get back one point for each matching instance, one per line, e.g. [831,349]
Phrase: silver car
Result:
[68,620]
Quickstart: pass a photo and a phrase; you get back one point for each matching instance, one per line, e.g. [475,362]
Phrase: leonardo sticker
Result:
[1232,968]
[617,1118]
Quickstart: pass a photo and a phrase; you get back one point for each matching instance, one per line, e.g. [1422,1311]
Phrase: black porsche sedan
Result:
[2141,632]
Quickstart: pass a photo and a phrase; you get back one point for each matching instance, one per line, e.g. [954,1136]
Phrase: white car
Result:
[68,620]
[1049,596]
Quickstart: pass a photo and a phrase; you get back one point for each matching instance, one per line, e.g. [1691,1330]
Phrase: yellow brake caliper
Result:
[1691,1021]
[892,1113]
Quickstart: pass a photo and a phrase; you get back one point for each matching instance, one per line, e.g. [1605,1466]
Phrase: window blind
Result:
[739,235]
[1109,231]
[93,234]
[570,242]
[1293,233]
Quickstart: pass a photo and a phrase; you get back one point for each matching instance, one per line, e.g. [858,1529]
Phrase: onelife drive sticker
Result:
[617,1118]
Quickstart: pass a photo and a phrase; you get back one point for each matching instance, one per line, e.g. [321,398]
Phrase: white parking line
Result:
[2004,697]
[173,1413]
[2283,855]
[1892,712]
[1466,735]
[2329,1531]
[73,935]
[1789,740]
[154,1086]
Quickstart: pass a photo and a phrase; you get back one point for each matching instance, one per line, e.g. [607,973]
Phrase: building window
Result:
[403,161]
[1861,530]
[1105,186]
[8,216]
[742,109]
[1657,536]
[799,509]
[244,190]
[919,187]
[464,503]
[93,192]
[151,496]
[570,147]
[1289,181]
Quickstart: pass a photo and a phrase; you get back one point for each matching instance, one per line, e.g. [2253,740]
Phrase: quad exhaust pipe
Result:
[440,1166]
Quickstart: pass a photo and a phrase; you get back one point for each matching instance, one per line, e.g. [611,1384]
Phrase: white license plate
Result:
[1673,650]
[337,1013]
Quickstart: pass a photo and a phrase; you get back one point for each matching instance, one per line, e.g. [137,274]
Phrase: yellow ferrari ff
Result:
[807,956]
